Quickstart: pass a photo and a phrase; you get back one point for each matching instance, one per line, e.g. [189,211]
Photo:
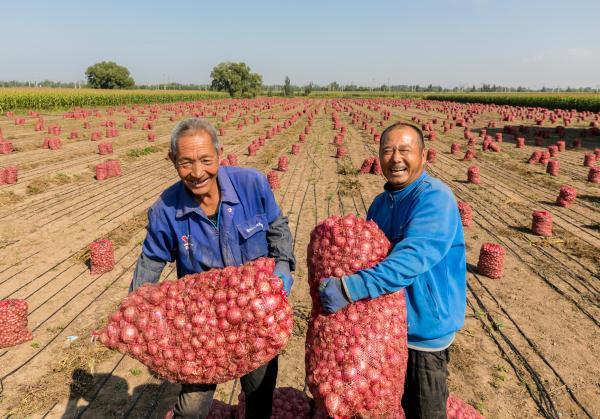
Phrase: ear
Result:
[424,156]
[172,157]
[220,152]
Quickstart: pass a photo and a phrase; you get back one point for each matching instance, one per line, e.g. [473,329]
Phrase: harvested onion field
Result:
[531,339]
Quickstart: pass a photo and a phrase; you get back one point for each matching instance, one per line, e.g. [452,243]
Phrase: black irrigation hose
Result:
[534,269]
[64,304]
[583,281]
[541,406]
[16,264]
[533,346]
[5,376]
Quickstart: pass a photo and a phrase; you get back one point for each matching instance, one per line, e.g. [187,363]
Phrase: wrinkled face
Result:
[402,160]
[197,163]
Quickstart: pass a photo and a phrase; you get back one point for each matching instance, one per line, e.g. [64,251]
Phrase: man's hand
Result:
[282,270]
[332,295]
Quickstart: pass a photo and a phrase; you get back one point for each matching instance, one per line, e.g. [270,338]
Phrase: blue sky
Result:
[371,42]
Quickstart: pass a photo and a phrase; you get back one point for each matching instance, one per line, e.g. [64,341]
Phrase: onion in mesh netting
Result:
[473,175]
[553,167]
[566,196]
[458,409]
[13,323]
[102,257]
[209,327]
[288,403]
[466,213]
[541,223]
[367,165]
[589,160]
[431,155]
[273,179]
[469,155]
[376,168]
[491,260]
[593,175]
[356,357]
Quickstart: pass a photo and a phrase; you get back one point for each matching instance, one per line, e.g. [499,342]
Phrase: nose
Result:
[396,156]
[197,170]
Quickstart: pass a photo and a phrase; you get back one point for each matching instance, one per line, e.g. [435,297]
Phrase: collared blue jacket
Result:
[178,230]
[427,259]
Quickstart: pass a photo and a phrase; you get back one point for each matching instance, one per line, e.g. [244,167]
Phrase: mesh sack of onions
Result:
[491,260]
[356,357]
[288,403]
[101,171]
[458,409]
[541,223]
[553,167]
[520,142]
[252,150]
[273,179]
[209,327]
[593,175]
[376,168]
[466,213]
[454,148]
[6,147]
[340,152]
[224,162]
[295,149]
[589,160]
[367,165]
[545,157]
[2,176]
[431,155]
[566,196]
[102,256]
[220,410]
[469,155]
[114,168]
[535,157]
[283,164]
[13,319]
[233,160]
[473,175]
[11,175]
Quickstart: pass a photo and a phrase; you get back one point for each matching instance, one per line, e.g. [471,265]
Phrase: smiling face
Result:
[402,158]
[197,163]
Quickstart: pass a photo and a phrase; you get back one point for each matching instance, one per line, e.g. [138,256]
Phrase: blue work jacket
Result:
[179,230]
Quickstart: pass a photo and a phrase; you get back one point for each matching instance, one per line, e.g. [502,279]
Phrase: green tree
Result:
[236,79]
[308,89]
[108,75]
[287,87]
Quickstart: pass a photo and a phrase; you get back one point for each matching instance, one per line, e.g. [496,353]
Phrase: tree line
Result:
[238,80]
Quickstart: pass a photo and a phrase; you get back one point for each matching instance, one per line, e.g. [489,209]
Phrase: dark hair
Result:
[398,125]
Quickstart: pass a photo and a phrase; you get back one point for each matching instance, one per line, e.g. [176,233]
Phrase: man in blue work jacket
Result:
[419,215]
[215,217]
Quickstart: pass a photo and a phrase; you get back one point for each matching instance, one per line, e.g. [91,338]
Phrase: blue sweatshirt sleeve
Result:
[158,244]
[428,236]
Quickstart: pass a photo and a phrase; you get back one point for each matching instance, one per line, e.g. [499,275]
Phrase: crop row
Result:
[22,98]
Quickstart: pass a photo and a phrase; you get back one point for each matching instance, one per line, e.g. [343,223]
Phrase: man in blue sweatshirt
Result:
[419,215]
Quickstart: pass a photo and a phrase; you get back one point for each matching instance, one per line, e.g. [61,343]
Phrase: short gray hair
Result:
[190,126]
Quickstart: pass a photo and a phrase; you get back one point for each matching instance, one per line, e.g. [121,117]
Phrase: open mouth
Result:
[198,183]
[398,170]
